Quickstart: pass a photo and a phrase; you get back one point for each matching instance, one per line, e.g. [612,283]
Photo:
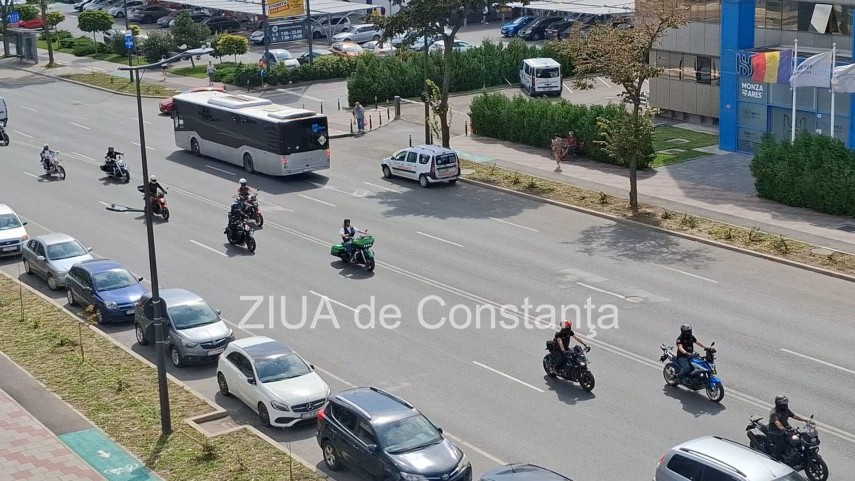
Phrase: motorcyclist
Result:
[236,218]
[110,159]
[153,187]
[686,350]
[243,194]
[562,342]
[47,157]
[347,233]
[779,424]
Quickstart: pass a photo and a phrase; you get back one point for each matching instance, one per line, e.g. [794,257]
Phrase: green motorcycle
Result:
[361,252]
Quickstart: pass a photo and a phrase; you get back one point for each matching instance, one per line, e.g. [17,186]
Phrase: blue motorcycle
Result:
[702,375]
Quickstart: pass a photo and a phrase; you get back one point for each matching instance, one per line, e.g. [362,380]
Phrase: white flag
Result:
[813,72]
[843,80]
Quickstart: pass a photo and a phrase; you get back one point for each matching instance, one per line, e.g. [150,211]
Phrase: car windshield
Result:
[350,48]
[548,73]
[280,367]
[9,221]
[519,21]
[112,280]
[283,56]
[65,250]
[794,476]
[197,314]
[408,434]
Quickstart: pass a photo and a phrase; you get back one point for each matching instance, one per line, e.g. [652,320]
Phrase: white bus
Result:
[541,76]
[251,132]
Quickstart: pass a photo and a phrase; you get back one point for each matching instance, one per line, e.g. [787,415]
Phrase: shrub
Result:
[83,50]
[490,65]
[27,11]
[117,45]
[57,36]
[157,46]
[535,122]
[816,172]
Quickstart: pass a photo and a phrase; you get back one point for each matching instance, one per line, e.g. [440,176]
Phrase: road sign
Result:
[129,40]
[13,17]
[287,32]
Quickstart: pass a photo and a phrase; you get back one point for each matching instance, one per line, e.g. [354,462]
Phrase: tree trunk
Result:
[46,28]
[633,163]
[445,127]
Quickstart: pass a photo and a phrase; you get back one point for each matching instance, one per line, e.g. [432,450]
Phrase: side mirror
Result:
[439,429]
[218,312]
[24,223]
[251,380]
[713,344]
[88,249]
[372,448]
[140,278]
[40,258]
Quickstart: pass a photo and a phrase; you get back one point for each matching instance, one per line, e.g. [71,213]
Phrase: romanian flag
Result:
[772,67]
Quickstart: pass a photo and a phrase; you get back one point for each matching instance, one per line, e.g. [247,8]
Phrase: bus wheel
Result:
[247,163]
[194,147]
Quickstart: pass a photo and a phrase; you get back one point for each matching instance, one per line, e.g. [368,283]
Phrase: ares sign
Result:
[285,8]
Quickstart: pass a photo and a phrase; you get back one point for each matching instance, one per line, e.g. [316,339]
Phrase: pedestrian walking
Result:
[359,115]
[557,151]
[210,70]
[163,68]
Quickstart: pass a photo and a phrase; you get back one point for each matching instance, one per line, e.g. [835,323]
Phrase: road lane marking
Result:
[601,290]
[687,273]
[515,225]
[31,110]
[209,248]
[500,373]
[147,147]
[31,221]
[329,374]
[219,170]
[358,194]
[25,135]
[84,156]
[604,82]
[333,301]
[144,121]
[476,449]
[567,87]
[381,187]
[297,94]
[439,239]
[316,200]
[81,126]
[820,361]
[32,175]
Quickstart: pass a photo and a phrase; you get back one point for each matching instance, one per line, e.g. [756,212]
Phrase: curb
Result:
[710,242]
[218,413]
[57,77]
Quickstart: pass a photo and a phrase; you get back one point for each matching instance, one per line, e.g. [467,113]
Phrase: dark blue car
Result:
[107,286]
[512,28]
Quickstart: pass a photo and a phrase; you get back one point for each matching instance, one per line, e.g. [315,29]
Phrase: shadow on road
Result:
[473,202]
[568,392]
[694,403]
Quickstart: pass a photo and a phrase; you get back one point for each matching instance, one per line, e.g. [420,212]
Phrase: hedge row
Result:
[323,68]
[80,46]
[816,172]
[489,65]
[536,122]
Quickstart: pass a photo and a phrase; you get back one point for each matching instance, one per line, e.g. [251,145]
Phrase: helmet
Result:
[110,148]
[235,207]
[782,402]
[46,147]
[568,324]
[152,178]
[346,221]
[242,181]
[686,330]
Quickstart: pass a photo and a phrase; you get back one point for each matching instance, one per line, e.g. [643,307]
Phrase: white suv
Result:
[358,34]
[12,232]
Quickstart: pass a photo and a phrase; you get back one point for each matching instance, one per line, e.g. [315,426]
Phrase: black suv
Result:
[387,438]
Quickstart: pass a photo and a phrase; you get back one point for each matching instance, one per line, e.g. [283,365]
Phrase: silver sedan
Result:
[50,256]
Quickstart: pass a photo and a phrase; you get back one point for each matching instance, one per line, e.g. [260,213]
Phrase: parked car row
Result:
[529,27]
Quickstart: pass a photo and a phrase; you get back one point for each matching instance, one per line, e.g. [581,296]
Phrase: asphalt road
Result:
[778,329]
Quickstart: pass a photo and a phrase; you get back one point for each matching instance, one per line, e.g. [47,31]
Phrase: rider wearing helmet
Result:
[236,217]
[686,350]
[562,340]
[47,157]
[779,423]
[347,233]
[243,194]
[153,187]
[110,159]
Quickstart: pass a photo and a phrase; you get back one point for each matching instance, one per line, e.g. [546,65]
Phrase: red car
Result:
[34,23]
[166,104]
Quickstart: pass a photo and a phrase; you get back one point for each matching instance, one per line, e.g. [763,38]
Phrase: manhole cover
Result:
[634,299]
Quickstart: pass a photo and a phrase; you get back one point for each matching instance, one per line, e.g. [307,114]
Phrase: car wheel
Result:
[387,172]
[247,163]
[263,415]
[423,181]
[99,316]
[194,147]
[27,268]
[376,38]
[331,456]
[224,386]
[70,297]
[142,340]
[175,357]
[51,282]
[120,15]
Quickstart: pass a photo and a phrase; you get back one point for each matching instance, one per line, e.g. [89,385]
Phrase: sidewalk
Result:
[719,187]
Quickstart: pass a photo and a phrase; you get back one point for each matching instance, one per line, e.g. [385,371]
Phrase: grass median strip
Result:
[678,144]
[751,239]
[119,394]
[119,84]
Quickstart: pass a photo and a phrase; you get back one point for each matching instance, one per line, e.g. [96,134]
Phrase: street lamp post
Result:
[163,387]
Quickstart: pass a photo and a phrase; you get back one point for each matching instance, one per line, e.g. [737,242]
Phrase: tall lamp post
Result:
[163,387]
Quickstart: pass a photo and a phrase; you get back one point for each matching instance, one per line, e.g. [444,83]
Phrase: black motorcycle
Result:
[118,169]
[240,233]
[3,135]
[574,368]
[251,209]
[802,452]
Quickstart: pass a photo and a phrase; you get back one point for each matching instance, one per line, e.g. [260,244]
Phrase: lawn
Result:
[663,138]
[200,71]
[119,394]
[120,84]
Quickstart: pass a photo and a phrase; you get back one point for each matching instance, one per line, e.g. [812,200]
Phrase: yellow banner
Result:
[285,8]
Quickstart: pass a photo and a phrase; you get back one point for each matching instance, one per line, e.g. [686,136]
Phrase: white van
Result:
[426,163]
[541,76]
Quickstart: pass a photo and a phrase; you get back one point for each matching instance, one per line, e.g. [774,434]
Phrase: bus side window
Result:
[177,120]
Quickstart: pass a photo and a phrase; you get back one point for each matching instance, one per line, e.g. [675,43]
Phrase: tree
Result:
[227,44]
[51,20]
[54,18]
[94,21]
[623,56]
[433,18]
[188,34]
[26,11]
[158,46]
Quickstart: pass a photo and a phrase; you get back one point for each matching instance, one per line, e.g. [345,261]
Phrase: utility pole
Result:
[310,31]
[266,29]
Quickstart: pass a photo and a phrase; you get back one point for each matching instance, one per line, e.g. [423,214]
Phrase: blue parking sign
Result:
[13,17]
[129,40]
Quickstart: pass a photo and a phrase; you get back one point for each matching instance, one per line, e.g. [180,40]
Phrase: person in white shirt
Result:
[347,233]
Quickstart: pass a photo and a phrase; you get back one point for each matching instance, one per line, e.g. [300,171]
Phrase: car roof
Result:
[5,209]
[522,472]
[379,405]
[96,266]
[430,149]
[542,62]
[363,25]
[54,238]
[749,463]
[260,347]
[174,296]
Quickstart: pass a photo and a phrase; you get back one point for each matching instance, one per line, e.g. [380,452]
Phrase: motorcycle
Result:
[702,375]
[803,453]
[3,135]
[575,367]
[119,170]
[361,252]
[241,235]
[252,210]
[55,168]
[158,204]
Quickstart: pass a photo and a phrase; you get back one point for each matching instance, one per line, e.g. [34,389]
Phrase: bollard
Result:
[466,128]
[322,107]
[380,117]
[247,85]
[339,104]
[370,122]
[304,106]
[397,102]
[351,126]
[411,140]
[387,113]
[376,107]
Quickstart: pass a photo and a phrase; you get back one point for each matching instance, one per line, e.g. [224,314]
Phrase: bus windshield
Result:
[304,135]
[552,72]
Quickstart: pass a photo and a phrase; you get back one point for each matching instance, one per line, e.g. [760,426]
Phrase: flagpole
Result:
[833,62]
[795,64]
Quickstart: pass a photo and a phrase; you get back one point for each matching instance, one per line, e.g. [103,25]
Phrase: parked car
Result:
[346,49]
[273,380]
[358,33]
[98,5]
[316,52]
[553,30]
[712,457]
[385,436]
[537,29]
[426,163]
[119,10]
[107,286]
[148,14]
[79,5]
[163,21]
[108,35]
[330,26]
[50,257]
[257,37]
[459,46]
[522,472]
[12,232]
[166,105]
[512,28]
[221,23]
[34,23]
[195,332]
[379,48]
[280,55]
[197,16]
